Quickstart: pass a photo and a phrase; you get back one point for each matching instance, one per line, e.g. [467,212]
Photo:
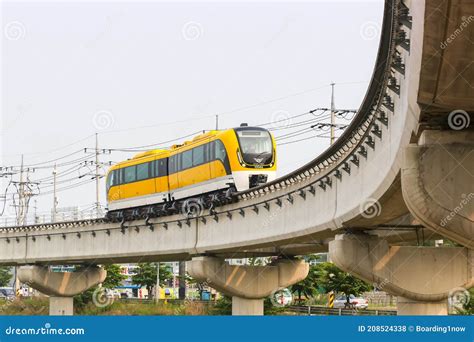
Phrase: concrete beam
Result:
[422,277]
[248,285]
[438,183]
[61,286]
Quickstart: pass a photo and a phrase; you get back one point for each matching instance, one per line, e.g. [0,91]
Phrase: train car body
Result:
[235,159]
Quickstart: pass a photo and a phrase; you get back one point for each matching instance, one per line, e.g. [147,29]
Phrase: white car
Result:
[354,302]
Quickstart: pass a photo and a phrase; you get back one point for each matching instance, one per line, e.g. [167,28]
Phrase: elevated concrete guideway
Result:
[295,214]
[402,155]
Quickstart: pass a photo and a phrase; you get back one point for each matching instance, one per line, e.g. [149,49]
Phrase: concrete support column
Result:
[247,307]
[61,287]
[61,306]
[438,183]
[422,277]
[247,285]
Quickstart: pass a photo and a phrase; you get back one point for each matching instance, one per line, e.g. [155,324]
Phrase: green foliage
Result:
[307,287]
[146,275]
[468,306]
[259,261]
[223,307]
[114,276]
[5,276]
[331,278]
[84,298]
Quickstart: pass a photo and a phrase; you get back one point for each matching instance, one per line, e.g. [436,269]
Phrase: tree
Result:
[5,276]
[114,276]
[332,278]
[146,275]
[308,286]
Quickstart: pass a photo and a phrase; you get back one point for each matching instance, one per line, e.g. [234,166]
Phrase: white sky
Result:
[142,73]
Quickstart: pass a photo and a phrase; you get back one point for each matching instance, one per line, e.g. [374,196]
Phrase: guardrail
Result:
[321,310]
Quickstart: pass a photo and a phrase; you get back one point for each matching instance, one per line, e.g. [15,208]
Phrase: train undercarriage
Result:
[190,207]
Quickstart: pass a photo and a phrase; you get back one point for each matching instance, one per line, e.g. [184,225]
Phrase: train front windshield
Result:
[256,146]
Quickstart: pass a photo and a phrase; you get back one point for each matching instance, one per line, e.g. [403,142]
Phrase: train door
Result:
[186,174]
[201,170]
[173,167]
[113,186]
[161,176]
[145,183]
[218,158]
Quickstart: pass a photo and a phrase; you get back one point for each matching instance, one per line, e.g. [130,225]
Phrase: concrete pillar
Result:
[61,287]
[61,306]
[422,277]
[438,183]
[247,307]
[248,285]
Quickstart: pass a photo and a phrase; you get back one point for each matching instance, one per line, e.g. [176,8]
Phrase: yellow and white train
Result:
[207,169]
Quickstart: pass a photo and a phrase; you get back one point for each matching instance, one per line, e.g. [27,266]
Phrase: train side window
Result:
[162,167]
[172,164]
[198,155]
[212,150]
[206,153]
[115,178]
[186,159]
[153,168]
[143,171]
[110,180]
[220,152]
[130,174]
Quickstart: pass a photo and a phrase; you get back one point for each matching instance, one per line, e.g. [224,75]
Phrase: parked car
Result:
[7,293]
[354,302]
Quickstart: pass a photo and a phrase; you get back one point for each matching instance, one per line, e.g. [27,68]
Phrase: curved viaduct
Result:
[405,162]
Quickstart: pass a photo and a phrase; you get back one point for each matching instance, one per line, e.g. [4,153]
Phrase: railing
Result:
[321,310]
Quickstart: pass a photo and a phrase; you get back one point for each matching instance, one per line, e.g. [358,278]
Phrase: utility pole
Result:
[97,175]
[333,114]
[182,280]
[36,212]
[22,208]
[217,122]
[157,291]
[55,198]
[19,222]
[21,193]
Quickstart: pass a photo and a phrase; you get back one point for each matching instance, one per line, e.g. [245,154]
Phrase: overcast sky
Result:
[144,73]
